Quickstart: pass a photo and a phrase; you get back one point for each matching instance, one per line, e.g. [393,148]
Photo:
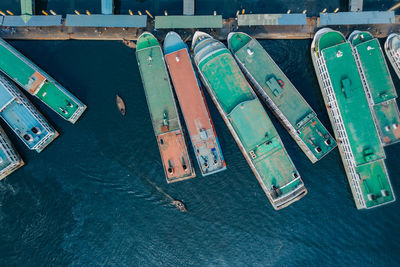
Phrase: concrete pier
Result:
[307,31]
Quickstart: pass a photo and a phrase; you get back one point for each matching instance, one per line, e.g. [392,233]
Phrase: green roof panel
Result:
[188,22]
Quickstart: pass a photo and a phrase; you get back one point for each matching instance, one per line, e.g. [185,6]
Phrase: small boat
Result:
[179,205]
[121,105]
[128,43]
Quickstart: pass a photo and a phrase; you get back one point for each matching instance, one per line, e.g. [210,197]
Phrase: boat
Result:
[179,205]
[280,95]
[129,43]
[10,160]
[378,83]
[23,118]
[392,50]
[163,111]
[121,105]
[358,140]
[39,84]
[193,106]
[247,121]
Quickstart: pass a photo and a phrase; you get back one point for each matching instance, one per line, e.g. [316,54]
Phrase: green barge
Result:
[381,93]
[281,96]
[39,84]
[348,108]
[247,121]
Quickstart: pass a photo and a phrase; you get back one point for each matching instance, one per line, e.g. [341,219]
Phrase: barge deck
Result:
[23,118]
[379,86]
[281,96]
[39,84]
[194,108]
[164,115]
[352,120]
[247,121]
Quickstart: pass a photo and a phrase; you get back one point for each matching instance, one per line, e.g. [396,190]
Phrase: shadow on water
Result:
[117,6]
[40,5]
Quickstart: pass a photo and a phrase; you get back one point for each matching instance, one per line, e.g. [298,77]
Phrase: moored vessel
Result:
[358,140]
[10,160]
[281,96]
[247,121]
[392,50]
[23,118]
[39,84]
[381,93]
[163,112]
[194,108]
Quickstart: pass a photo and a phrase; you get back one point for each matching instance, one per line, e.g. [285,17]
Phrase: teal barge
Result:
[281,96]
[39,84]
[248,122]
[23,118]
[381,93]
[163,112]
[358,139]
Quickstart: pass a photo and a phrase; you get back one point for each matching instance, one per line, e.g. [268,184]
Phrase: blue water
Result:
[98,196]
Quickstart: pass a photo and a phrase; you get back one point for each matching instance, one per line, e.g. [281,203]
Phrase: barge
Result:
[10,160]
[247,121]
[163,111]
[193,106]
[39,84]
[392,50]
[23,118]
[356,134]
[378,83]
[281,96]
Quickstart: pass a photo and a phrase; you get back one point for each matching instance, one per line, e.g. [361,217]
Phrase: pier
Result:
[110,26]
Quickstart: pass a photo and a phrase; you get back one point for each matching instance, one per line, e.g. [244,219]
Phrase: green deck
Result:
[358,121]
[353,104]
[374,179]
[158,91]
[265,72]
[249,119]
[377,74]
[380,85]
[188,22]
[26,10]
[330,39]
[20,69]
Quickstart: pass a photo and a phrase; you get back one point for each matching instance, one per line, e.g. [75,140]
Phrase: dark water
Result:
[98,196]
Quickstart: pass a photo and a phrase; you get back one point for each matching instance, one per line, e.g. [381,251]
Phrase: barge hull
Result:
[39,84]
[283,99]
[247,121]
[366,172]
[10,159]
[163,112]
[194,108]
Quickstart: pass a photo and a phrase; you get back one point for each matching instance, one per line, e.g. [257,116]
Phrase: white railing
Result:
[363,77]
[347,153]
[21,99]
[9,153]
